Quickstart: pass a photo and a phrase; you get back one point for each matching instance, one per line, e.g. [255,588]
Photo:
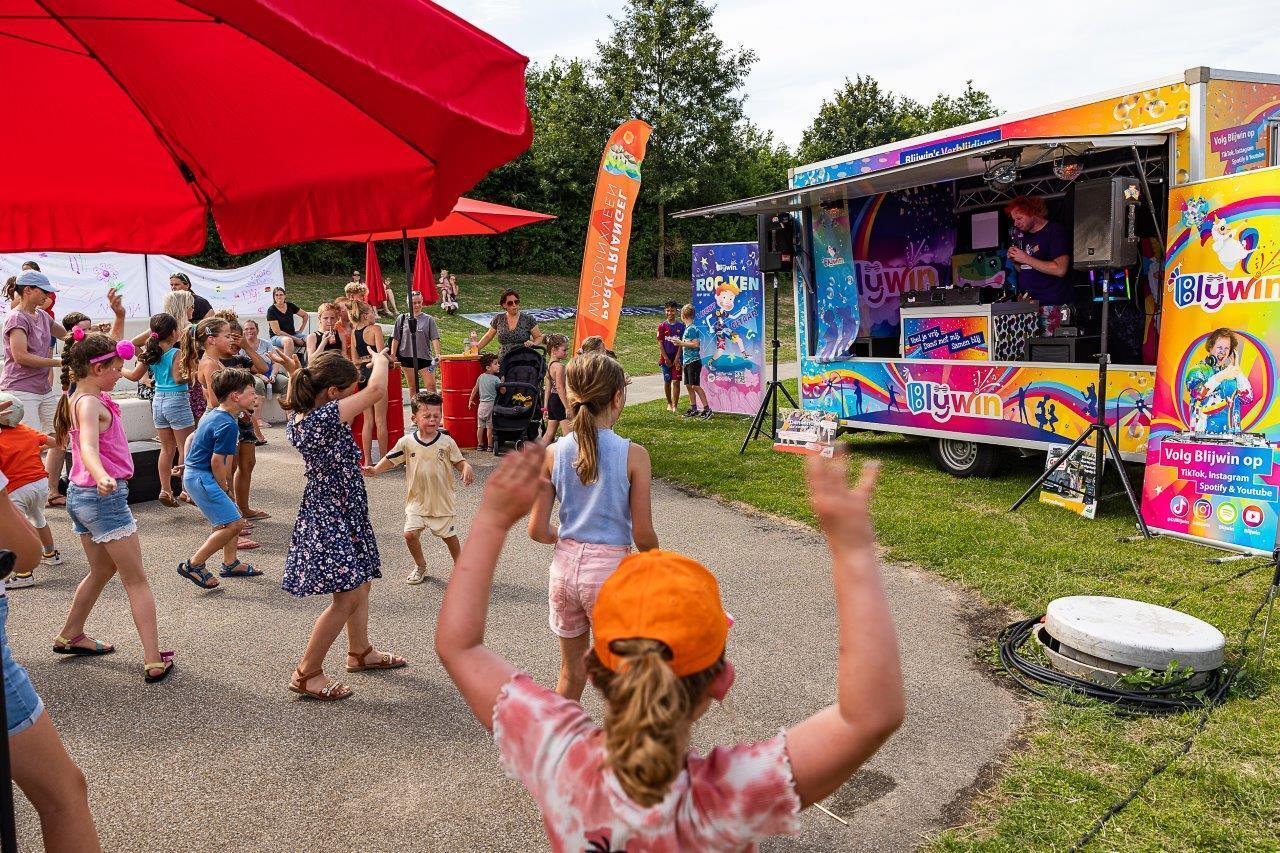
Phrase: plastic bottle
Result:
[475,342]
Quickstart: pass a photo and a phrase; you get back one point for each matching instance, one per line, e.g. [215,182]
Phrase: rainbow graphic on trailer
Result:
[1213,473]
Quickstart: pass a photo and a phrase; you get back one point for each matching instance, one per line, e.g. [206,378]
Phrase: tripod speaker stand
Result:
[1099,430]
[769,402]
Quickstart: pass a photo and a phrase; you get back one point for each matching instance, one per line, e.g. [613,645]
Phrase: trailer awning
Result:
[968,163]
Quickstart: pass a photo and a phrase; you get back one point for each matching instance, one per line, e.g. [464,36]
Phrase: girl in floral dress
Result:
[333,550]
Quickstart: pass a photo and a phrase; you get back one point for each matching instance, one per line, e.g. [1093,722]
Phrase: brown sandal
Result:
[385,661]
[331,692]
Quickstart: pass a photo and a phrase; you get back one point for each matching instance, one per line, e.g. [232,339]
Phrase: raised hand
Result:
[115,301]
[844,513]
[514,487]
[290,363]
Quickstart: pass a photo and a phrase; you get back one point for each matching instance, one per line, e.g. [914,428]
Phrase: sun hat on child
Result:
[34,278]
[665,596]
[11,416]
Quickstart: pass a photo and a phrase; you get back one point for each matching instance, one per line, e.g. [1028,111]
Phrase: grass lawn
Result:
[636,343]
[1224,795]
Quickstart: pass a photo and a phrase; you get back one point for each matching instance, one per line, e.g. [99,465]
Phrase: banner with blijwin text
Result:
[245,290]
[1213,470]
[83,280]
[603,281]
[728,308]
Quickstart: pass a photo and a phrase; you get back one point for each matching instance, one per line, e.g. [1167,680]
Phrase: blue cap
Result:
[33,278]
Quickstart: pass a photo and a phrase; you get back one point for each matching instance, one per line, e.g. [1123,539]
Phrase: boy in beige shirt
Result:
[430,458]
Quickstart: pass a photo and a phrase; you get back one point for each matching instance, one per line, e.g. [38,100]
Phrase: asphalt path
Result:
[221,756]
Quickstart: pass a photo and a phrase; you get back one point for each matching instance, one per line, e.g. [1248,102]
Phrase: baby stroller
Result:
[517,409]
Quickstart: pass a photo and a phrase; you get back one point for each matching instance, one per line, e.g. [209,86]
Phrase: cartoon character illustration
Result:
[1052,417]
[1232,245]
[857,396]
[723,320]
[1194,211]
[893,399]
[1217,389]
[1041,408]
[982,268]
[1022,404]
[1091,401]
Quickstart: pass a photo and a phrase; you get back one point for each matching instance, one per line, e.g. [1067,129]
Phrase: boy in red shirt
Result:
[28,485]
[669,354]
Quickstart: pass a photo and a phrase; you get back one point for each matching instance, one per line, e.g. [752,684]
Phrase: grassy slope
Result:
[636,342]
[1224,795]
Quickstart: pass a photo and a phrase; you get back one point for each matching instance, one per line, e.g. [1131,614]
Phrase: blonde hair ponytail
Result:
[647,716]
[593,381]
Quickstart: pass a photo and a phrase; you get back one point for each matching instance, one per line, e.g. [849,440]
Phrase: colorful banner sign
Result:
[728,308]
[1073,484]
[805,432]
[1032,405]
[1236,117]
[83,279]
[245,290]
[951,338]
[1213,472]
[603,281]
[836,311]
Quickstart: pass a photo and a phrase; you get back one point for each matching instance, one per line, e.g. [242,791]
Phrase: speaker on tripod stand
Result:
[775,233]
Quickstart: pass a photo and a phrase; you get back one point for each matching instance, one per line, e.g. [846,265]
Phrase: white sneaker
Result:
[417,576]
[53,558]
[17,581]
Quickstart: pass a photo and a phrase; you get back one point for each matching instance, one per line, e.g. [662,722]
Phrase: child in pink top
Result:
[98,499]
[659,661]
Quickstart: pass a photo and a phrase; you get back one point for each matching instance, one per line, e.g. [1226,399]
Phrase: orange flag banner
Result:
[604,263]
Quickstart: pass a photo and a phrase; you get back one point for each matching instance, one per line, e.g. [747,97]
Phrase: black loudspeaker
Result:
[1104,235]
[776,235]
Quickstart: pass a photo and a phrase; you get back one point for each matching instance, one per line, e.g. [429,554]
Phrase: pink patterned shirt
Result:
[728,800]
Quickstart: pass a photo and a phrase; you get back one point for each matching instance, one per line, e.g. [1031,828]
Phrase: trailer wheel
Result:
[965,458]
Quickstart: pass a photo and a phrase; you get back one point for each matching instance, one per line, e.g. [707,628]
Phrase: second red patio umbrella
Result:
[373,276]
[424,281]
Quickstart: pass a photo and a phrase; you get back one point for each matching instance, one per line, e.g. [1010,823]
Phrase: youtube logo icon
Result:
[1252,516]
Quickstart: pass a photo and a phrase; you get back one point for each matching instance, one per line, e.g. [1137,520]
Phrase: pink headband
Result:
[124,349]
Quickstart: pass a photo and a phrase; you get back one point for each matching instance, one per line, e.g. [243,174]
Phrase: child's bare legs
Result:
[358,630]
[413,539]
[573,668]
[221,537]
[164,460]
[105,559]
[675,394]
[380,423]
[242,477]
[696,393]
[53,461]
[480,434]
[55,786]
[180,437]
[46,538]
[326,629]
[549,436]
[427,380]
[666,390]
[454,546]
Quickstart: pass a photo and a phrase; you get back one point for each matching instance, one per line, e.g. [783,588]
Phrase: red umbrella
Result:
[286,120]
[373,275]
[423,280]
[468,217]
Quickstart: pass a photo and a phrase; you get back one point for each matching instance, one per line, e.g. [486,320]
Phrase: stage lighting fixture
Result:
[1001,173]
[1067,166]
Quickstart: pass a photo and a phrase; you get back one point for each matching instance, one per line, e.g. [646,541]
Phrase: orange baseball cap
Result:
[665,596]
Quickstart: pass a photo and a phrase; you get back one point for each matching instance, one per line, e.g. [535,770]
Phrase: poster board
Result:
[1212,463]
[245,290]
[1074,485]
[83,279]
[806,431]
[728,308]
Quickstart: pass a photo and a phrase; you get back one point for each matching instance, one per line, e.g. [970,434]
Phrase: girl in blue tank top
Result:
[602,482]
[171,406]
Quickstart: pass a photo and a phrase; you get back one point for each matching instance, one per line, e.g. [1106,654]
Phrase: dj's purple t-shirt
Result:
[1048,243]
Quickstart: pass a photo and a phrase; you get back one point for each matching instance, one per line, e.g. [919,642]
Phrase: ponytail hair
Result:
[188,361]
[327,370]
[163,326]
[75,366]
[593,380]
[647,711]
[11,288]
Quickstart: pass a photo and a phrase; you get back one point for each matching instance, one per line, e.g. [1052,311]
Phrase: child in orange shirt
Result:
[28,485]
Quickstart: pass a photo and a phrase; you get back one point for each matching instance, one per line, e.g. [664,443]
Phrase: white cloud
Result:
[1023,54]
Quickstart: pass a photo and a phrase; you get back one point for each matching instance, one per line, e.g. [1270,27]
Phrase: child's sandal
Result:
[237,569]
[385,661]
[165,666]
[331,692]
[198,575]
[63,646]
[168,499]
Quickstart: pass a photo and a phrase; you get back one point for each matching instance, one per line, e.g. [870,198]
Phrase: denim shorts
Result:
[215,504]
[104,518]
[22,706]
[172,410]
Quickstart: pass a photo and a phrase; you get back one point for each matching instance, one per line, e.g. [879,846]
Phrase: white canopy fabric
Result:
[968,163]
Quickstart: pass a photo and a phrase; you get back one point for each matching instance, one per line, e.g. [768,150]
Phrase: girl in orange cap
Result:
[658,661]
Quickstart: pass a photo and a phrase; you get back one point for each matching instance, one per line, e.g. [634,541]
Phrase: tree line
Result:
[662,63]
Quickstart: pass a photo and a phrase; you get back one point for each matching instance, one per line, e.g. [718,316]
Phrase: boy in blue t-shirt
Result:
[207,478]
[691,348]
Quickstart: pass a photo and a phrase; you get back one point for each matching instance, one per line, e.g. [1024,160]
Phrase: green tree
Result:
[665,64]
[861,115]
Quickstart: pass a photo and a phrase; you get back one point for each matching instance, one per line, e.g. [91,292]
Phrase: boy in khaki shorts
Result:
[430,457]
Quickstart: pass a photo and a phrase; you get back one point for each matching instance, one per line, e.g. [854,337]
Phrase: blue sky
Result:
[1024,54]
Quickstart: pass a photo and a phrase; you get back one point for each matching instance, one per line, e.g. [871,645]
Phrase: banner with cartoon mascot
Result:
[603,281]
[728,311]
[1213,472]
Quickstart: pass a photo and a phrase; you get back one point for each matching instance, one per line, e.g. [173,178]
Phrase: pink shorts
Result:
[578,570]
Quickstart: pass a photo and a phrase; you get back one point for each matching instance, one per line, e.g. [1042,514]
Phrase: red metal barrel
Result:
[458,375]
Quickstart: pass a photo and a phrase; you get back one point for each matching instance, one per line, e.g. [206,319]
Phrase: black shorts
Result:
[555,409]
[247,435]
[693,373]
[408,363]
